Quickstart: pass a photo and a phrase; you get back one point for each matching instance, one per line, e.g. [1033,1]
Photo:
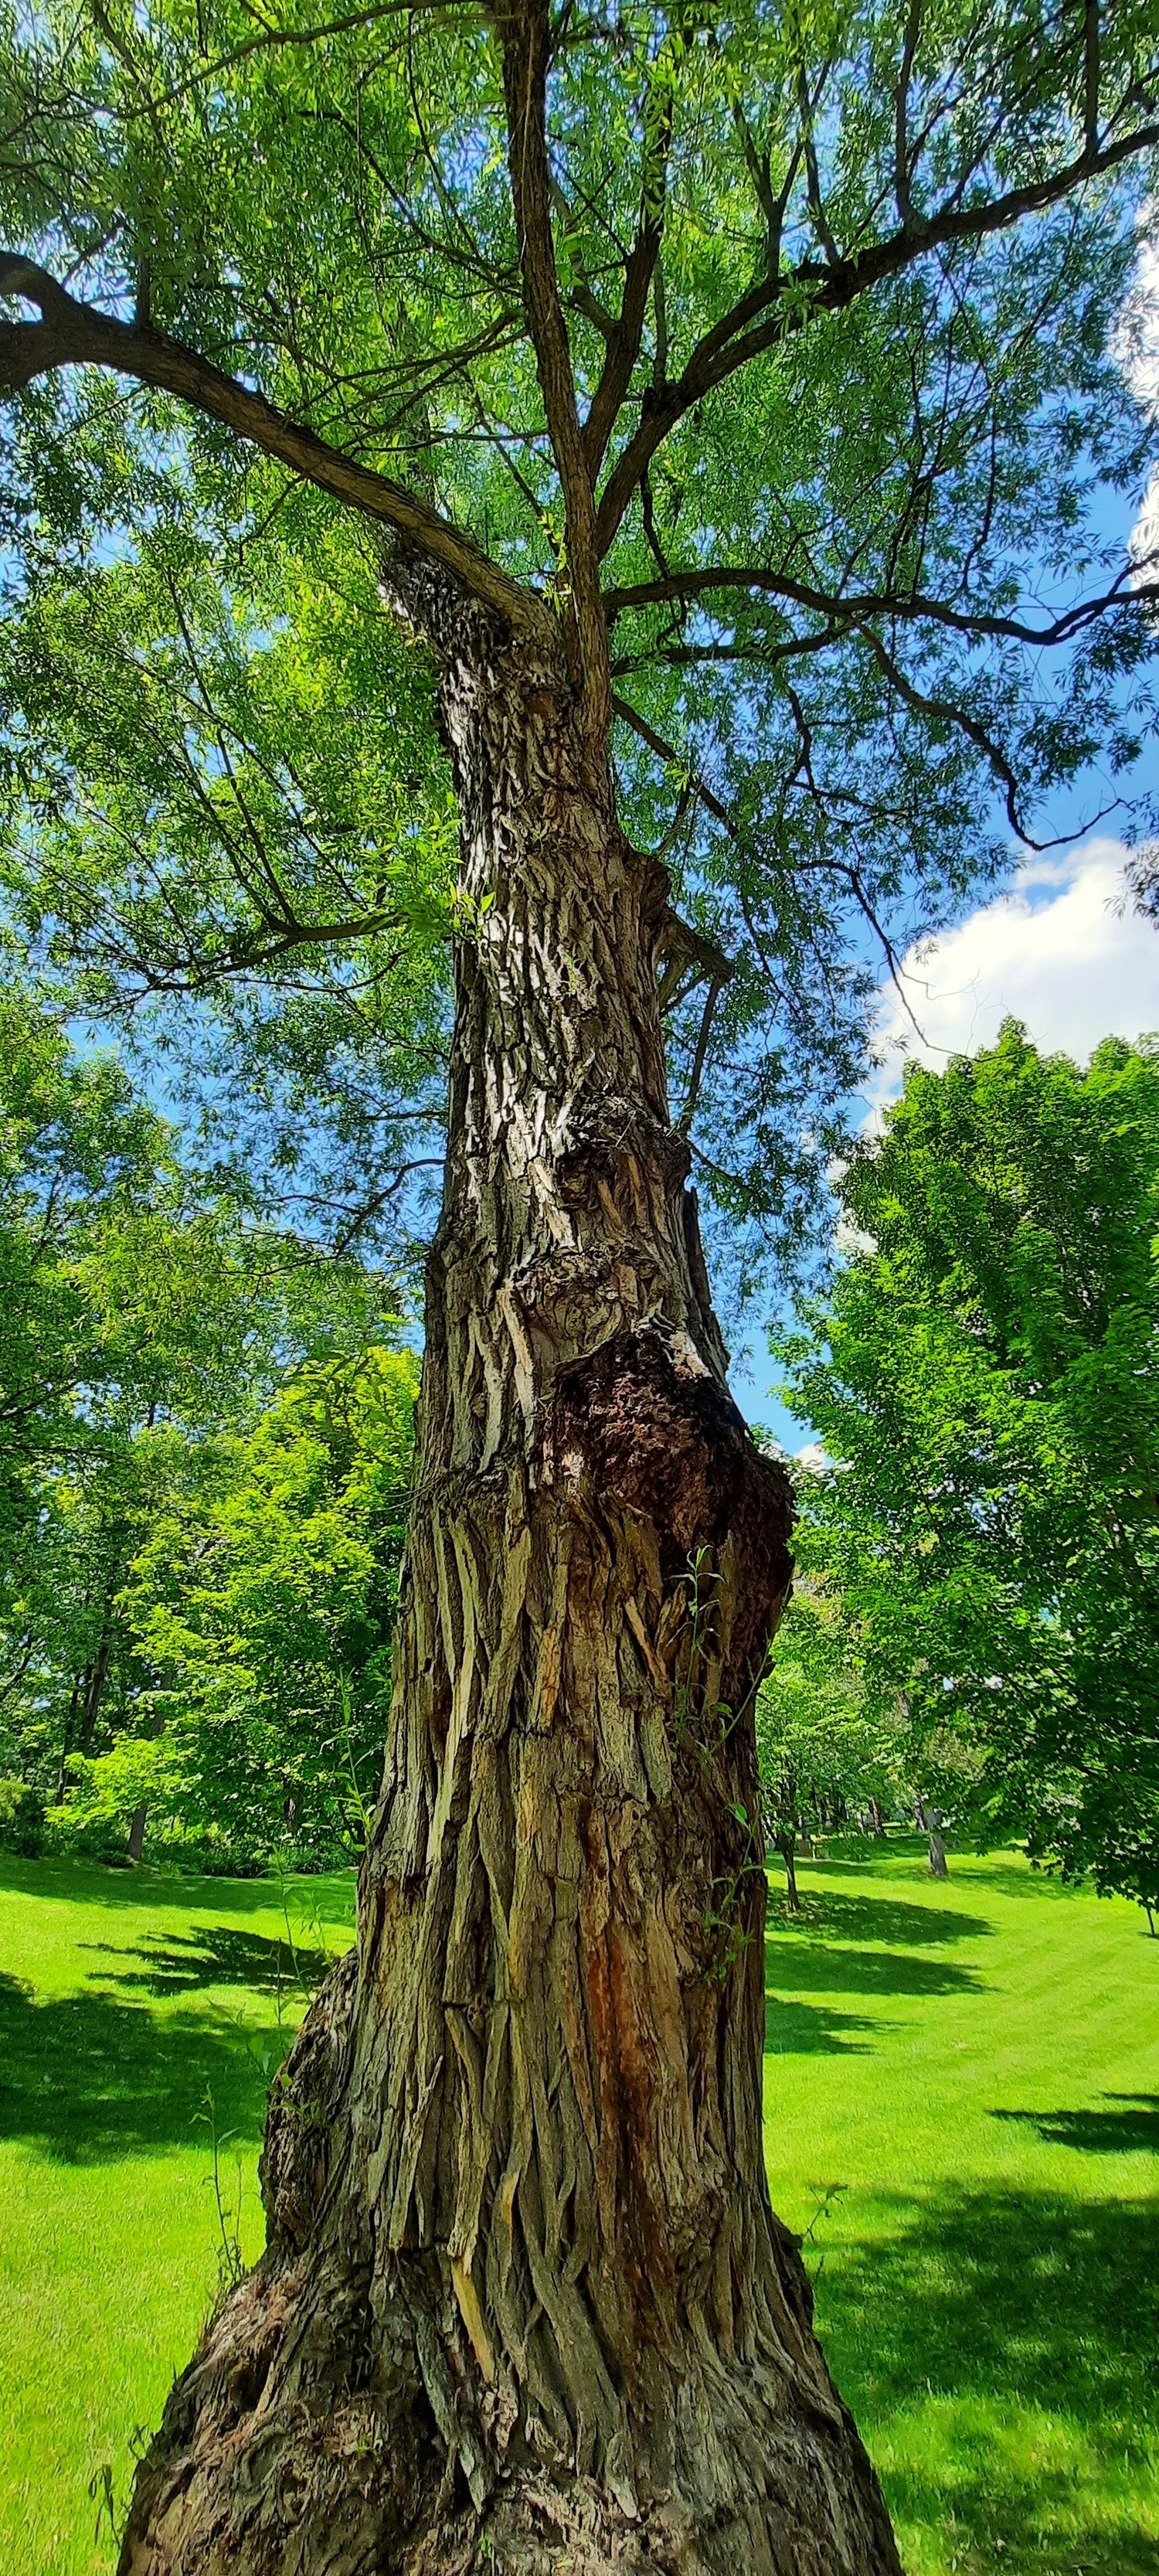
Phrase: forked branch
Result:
[783,303]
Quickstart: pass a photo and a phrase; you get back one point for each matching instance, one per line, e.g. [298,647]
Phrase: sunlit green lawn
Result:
[977,2065]
[136,2012]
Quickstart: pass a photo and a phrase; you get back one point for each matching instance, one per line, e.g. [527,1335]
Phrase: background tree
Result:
[985,1375]
[144,1324]
[77,1154]
[825,1759]
[697,397]
[262,1604]
[85,1164]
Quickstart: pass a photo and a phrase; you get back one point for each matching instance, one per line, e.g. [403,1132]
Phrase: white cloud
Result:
[1136,347]
[1135,340]
[1057,952]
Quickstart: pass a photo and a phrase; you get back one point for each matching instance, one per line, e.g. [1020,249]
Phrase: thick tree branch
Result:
[522,26]
[759,168]
[73,334]
[690,958]
[1091,73]
[853,610]
[250,951]
[813,197]
[581,294]
[779,306]
[901,147]
[699,1059]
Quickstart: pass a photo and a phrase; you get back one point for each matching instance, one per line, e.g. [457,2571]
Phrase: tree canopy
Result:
[984,1381]
[262,1601]
[826,1756]
[766,358]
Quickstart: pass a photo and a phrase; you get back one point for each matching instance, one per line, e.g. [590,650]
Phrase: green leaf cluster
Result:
[261,1604]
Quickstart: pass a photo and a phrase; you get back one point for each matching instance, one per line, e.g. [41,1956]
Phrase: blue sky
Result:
[1057,950]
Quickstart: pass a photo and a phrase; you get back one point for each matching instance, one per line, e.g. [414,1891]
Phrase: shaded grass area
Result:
[962,2093]
[1010,2341]
[962,2108]
[141,2016]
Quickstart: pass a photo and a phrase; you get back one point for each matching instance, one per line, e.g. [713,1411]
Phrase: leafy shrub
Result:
[202,1855]
[91,1827]
[82,1830]
[21,1819]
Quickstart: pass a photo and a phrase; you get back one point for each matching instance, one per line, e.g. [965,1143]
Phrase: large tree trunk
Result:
[525,2305]
[87,1693]
[787,1847]
[931,1819]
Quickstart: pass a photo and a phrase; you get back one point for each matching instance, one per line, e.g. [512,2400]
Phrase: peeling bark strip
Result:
[525,2305]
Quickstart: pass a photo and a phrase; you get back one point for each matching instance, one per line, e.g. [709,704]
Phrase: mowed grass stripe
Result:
[962,2102]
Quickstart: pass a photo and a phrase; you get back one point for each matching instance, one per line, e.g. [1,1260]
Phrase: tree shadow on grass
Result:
[814,2030]
[331,1895]
[824,1968]
[1123,2131]
[1001,2355]
[831,1916]
[217,1954]
[86,2078]
[1008,1879]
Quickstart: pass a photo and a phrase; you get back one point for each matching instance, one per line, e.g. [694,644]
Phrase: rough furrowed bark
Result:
[524,2304]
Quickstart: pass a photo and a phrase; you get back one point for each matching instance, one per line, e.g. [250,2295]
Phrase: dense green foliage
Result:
[263,1600]
[972,2066]
[835,291]
[21,1818]
[206,1452]
[984,1379]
